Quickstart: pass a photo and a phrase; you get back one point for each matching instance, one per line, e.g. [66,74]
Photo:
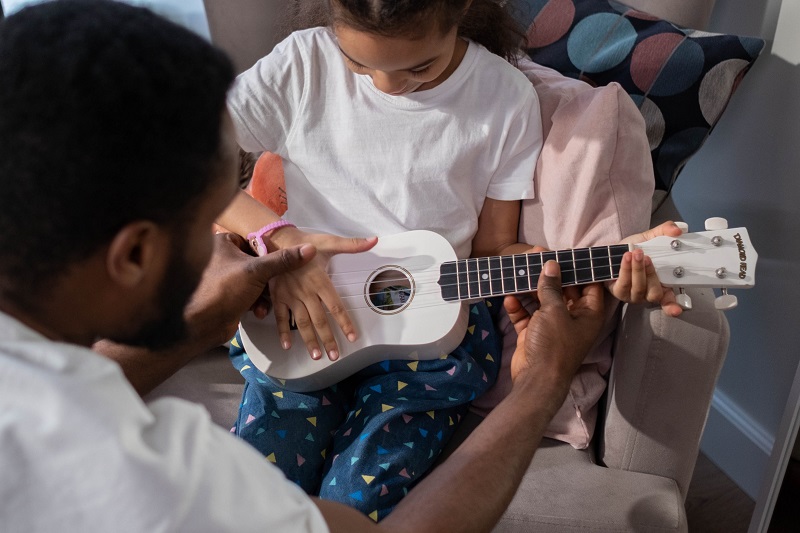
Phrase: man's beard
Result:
[169,326]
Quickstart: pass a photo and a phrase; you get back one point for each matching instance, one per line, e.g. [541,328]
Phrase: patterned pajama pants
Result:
[367,440]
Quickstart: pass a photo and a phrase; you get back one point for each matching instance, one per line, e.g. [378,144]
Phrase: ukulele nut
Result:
[675,244]
[721,272]
[678,272]
[716,240]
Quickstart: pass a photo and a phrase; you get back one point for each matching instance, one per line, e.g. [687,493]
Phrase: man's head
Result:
[114,144]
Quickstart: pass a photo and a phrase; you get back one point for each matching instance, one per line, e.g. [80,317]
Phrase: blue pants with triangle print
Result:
[367,440]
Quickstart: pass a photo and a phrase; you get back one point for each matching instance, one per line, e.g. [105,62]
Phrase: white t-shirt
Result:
[359,162]
[80,451]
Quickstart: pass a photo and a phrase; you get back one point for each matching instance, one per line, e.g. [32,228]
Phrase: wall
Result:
[749,173]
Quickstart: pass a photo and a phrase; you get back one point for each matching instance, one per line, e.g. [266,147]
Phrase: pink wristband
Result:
[257,237]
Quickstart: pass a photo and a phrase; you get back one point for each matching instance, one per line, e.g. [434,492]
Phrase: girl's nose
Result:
[387,82]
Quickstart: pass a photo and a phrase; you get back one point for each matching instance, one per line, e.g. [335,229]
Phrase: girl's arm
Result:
[498,227]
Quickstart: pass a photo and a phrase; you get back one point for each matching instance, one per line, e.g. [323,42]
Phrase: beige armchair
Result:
[636,474]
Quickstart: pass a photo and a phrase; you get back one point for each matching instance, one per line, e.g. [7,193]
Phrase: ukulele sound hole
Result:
[389,290]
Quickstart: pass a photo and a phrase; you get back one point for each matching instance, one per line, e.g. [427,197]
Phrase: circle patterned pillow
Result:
[680,79]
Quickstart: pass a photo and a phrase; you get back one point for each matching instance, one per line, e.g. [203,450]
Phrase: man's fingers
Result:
[284,260]
[549,286]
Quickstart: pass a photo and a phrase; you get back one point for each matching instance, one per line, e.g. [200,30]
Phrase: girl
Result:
[386,121]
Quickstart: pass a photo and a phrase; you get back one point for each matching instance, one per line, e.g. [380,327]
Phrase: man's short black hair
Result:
[108,114]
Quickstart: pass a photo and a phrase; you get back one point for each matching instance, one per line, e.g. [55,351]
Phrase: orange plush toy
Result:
[267,184]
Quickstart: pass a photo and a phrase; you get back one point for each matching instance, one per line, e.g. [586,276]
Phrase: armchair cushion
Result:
[681,79]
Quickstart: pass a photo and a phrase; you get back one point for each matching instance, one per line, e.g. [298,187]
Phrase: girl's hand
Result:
[308,292]
[637,280]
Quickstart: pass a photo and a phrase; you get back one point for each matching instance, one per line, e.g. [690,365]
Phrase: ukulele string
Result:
[434,273]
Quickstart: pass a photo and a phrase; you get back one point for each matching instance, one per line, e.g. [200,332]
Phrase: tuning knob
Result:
[683,225]
[683,299]
[726,301]
[716,223]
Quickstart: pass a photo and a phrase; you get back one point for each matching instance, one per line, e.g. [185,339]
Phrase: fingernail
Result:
[550,268]
[315,353]
[351,337]
[305,250]
[333,355]
[286,345]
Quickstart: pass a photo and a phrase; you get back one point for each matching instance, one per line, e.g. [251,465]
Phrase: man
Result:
[117,156]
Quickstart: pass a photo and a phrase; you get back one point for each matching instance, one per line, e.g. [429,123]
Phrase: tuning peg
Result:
[726,301]
[683,225]
[716,223]
[683,299]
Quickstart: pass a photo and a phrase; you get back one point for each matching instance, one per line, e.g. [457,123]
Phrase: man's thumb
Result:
[285,260]
[549,285]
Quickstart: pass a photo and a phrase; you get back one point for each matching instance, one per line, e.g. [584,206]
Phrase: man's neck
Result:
[39,321]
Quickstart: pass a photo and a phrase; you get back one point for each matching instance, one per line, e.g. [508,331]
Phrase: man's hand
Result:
[234,282]
[553,342]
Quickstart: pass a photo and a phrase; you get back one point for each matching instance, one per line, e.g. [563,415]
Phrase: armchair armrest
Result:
[660,389]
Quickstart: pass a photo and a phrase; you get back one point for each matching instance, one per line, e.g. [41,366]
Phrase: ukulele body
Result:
[423,327]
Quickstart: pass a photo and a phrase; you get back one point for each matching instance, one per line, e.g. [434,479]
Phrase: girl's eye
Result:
[421,71]
[353,64]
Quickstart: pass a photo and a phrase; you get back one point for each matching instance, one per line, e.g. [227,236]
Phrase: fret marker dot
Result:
[521,272]
[485,276]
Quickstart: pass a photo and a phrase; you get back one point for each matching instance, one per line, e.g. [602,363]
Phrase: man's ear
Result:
[137,251]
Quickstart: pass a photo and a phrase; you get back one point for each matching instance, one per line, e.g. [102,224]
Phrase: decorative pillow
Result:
[681,79]
[594,184]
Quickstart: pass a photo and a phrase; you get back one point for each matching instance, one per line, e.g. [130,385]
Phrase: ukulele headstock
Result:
[718,257]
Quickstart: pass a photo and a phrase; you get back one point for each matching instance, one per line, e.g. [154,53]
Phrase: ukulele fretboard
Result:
[481,277]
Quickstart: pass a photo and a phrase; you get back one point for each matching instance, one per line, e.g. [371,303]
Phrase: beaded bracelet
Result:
[257,237]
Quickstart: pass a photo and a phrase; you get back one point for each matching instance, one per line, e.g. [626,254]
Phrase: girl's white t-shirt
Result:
[359,162]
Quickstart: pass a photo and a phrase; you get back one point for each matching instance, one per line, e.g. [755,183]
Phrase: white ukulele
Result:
[432,321]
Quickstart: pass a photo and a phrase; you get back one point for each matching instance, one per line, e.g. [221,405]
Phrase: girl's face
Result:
[400,65]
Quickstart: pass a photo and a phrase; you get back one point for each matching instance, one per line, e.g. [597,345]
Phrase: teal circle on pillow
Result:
[682,70]
[752,45]
[582,45]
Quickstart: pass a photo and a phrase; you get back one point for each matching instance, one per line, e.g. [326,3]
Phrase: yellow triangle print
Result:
[374,515]
[414,355]
[471,329]
[313,420]
[385,408]
[443,356]
[358,412]
[271,457]
[279,394]
[430,414]
[323,453]
[451,420]
[401,385]
[413,365]
[233,341]
[245,367]
[283,382]
[489,357]
[368,479]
